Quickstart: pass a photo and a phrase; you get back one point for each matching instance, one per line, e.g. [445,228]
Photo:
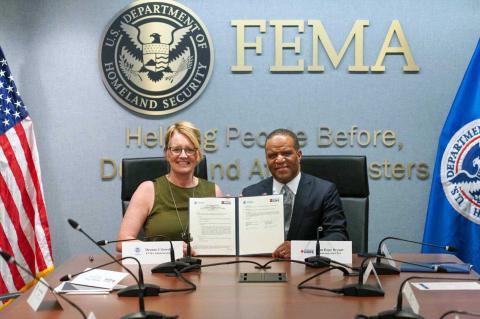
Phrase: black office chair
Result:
[138,170]
[349,173]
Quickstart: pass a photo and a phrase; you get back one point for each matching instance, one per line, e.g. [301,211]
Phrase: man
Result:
[312,201]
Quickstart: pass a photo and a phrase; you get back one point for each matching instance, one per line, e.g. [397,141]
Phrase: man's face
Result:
[282,159]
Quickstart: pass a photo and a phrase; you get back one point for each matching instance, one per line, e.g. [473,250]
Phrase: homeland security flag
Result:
[24,231]
[453,216]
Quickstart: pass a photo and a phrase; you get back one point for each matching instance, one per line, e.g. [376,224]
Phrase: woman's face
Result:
[181,154]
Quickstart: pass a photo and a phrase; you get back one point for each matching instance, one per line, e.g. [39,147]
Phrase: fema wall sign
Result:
[156,57]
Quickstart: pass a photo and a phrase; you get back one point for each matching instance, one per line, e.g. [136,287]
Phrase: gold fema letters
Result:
[319,34]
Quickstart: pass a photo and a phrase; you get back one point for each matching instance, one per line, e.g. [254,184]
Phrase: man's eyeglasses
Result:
[178,150]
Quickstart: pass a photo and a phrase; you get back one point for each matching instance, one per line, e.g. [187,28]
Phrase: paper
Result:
[99,278]
[260,224]
[150,252]
[340,251]
[38,294]
[447,285]
[368,270]
[212,226]
[410,298]
[388,256]
[236,226]
[72,289]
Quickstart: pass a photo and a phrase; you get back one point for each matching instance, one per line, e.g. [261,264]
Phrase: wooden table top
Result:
[220,295]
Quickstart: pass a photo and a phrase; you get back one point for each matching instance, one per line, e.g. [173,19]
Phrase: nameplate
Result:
[340,251]
[38,294]
[410,298]
[150,252]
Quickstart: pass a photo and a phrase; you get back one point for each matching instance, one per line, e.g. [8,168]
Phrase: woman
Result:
[161,206]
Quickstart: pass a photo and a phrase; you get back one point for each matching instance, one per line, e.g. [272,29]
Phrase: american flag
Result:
[24,231]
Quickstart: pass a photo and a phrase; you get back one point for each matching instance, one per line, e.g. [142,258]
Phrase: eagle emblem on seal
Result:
[467,181]
[153,51]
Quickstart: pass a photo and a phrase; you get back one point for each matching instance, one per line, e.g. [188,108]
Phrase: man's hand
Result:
[282,251]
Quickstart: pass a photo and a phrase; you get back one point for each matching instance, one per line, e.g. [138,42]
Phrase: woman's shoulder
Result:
[202,181]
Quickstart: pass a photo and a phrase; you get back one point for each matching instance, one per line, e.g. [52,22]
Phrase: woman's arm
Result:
[137,212]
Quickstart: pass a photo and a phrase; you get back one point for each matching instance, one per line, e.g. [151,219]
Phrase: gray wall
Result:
[52,48]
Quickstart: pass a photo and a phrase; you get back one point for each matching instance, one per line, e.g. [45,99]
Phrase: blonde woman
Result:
[161,206]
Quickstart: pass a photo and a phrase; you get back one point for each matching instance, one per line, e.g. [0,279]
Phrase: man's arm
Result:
[333,220]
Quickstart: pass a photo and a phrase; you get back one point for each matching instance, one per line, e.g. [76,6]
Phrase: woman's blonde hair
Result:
[190,131]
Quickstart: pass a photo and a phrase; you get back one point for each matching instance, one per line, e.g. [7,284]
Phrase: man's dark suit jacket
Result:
[317,203]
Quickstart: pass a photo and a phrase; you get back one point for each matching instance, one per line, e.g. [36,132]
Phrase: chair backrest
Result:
[138,170]
[349,173]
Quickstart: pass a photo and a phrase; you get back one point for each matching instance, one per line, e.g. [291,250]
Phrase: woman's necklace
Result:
[184,229]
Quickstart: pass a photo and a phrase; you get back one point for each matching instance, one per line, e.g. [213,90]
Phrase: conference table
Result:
[219,293]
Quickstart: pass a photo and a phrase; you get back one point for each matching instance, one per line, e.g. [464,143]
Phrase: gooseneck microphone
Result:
[460,312]
[141,313]
[433,268]
[399,312]
[318,261]
[9,259]
[106,242]
[386,269]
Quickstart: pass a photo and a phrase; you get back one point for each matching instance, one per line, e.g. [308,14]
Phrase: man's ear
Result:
[299,154]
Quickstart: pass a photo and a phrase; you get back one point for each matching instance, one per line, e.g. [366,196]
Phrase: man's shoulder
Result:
[258,188]
[307,178]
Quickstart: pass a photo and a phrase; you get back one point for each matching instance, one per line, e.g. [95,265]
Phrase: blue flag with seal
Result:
[453,216]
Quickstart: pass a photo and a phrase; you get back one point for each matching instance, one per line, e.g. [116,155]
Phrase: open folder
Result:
[236,225]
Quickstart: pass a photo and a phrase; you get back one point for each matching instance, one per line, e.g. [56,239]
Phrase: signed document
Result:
[260,224]
[212,225]
[236,226]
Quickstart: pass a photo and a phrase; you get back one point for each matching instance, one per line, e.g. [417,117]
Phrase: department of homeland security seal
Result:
[156,57]
[460,171]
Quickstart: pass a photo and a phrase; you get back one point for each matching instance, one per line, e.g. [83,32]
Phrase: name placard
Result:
[150,252]
[340,251]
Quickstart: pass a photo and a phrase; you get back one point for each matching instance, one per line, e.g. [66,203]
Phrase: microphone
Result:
[141,290]
[386,269]
[106,242]
[435,268]
[460,312]
[399,312]
[9,259]
[318,261]
[188,258]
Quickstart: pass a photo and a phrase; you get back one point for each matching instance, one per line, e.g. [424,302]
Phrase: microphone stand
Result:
[188,258]
[318,261]
[360,289]
[9,259]
[170,266]
[386,269]
[142,313]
